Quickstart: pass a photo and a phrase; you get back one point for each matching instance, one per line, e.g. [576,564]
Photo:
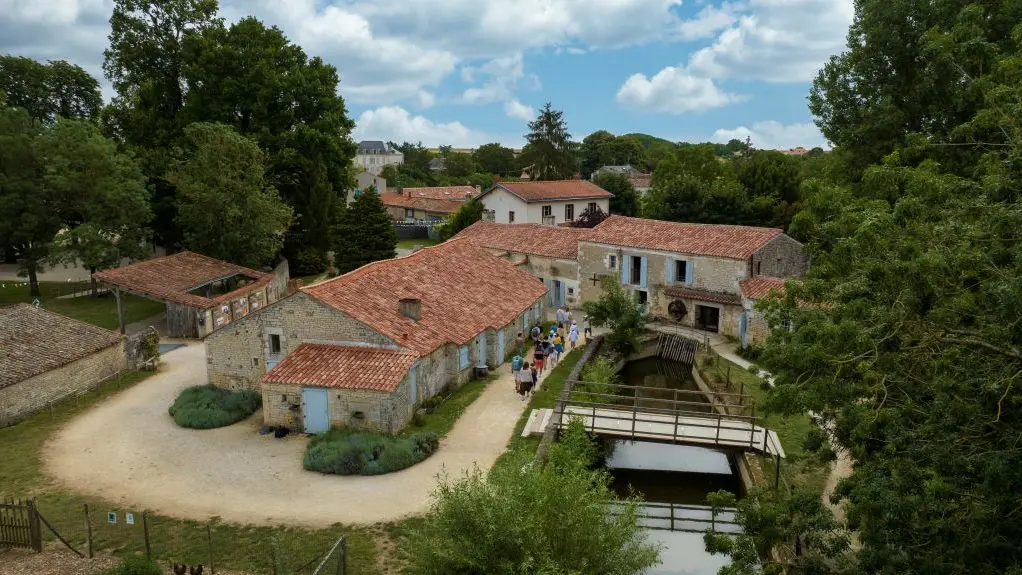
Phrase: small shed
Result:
[46,357]
[202,294]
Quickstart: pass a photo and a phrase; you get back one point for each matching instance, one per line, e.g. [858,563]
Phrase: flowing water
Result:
[663,473]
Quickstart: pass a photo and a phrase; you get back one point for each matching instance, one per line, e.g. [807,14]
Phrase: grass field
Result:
[409,244]
[101,310]
[237,548]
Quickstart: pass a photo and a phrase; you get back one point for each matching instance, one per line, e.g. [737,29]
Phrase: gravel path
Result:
[129,451]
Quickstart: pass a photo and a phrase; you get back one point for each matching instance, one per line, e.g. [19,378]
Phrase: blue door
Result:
[743,326]
[316,409]
[481,350]
[500,346]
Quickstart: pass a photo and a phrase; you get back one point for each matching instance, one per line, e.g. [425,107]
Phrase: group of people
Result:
[547,349]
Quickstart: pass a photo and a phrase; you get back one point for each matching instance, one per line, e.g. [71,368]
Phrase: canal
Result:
[670,474]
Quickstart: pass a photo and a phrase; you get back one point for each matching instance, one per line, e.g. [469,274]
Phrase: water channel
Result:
[664,473]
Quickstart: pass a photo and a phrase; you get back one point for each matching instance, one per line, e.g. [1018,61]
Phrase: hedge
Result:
[350,452]
[208,406]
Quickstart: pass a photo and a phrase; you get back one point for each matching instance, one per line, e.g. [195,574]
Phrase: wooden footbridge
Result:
[662,415]
[686,518]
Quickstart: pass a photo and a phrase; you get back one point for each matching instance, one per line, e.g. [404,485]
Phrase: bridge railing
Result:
[647,398]
[686,518]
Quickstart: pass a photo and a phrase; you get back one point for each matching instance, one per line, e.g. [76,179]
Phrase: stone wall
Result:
[757,329]
[237,355]
[34,394]
[384,412]
[781,257]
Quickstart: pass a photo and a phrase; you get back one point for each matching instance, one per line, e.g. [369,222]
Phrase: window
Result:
[510,217]
[463,357]
[591,207]
[636,271]
[571,291]
[274,343]
[548,211]
[680,271]
[410,213]
[612,262]
[758,267]
[641,297]
[569,212]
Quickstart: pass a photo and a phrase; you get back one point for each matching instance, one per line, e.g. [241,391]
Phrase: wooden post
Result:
[209,537]
[120,315]
[752,429]
[35,532]
[88,531]
[777,472]
[342,559]
[145,533]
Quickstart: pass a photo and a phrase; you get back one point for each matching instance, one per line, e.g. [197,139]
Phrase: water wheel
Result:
[677,310]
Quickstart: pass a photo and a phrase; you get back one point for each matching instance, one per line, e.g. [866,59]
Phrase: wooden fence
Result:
[19,525]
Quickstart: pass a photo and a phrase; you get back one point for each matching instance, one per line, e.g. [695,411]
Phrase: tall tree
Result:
[616,310]
[550,154]
[226,209]
[469,213]
[625,201]
[365,234]
[459,165]
[99,194]
[601,148]
[145,64]
[496,159]
[29,218]
[49,91]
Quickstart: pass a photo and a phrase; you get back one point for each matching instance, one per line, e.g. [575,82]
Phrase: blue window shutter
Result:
[625,260]
[642,273]
[669,273]
[563,292]
[549,291]
[463,359]
[688,273]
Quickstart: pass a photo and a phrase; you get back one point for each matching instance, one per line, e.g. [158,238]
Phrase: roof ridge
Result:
[369,347]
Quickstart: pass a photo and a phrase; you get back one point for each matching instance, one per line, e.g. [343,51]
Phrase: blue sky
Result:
[467,72]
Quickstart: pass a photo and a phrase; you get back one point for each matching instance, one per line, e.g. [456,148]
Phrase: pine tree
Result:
[550,153]
[365,234]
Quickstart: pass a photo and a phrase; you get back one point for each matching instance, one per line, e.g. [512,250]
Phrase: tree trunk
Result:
[92,279]
[33,280]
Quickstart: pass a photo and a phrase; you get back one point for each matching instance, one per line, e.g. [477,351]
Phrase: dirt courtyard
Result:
[129,451]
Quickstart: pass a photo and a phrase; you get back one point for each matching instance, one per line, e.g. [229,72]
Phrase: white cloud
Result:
[771,135]
[426,99]
[674,91]
[708,22]
[516,109]
[397,124]
[503,77]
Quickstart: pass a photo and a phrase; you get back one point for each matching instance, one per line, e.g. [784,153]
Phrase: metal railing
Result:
[685,518]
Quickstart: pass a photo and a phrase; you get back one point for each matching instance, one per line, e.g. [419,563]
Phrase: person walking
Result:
[559,344]
[534,382]
[539,354]
[562,317]
[523,380]
[586,329]
[573,334]
[516,366]
[520,343]
[537,332]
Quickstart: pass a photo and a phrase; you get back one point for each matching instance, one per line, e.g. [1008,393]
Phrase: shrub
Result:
[135,565]
[308,261]
[350,452]
[208,406]
[599,376]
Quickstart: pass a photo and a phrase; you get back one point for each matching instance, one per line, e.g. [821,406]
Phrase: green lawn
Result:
[443,419]
[800,467]
[238,548]
[101,310]
[409,244]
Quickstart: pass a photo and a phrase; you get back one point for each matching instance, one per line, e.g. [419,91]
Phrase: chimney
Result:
[410,308]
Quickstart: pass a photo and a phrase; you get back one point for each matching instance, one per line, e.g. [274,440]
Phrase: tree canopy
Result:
[550,152]
[469,213]
[617,310]
[496,159]
[365,233]
[49,91]
[625,201]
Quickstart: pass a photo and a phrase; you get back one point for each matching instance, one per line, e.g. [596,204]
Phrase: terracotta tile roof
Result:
[760,286]
[171,277]
[463,290]
[342,367]
[34,341]
[537,239]
[703,295]
[433,205]
[553,190]
[735,242]
[457,193]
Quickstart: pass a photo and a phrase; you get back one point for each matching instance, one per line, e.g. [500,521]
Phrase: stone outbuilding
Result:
[365,348]
[46,357]
[754,328]
[690,274]
[202,294]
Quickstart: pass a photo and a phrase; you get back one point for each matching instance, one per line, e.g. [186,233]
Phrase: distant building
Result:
[374,155]
[436,165]
[639,180]
[365,181]
[429,204]
[799,151]
[551,203]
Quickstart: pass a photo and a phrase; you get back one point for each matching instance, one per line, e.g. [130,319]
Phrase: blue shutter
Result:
[563,292]
[743,327]
[642,274]
[463,357]
[669,271]
[688,273]
[549,291]
[625,260]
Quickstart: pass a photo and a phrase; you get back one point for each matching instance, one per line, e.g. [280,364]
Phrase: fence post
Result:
[342,559]
[145,533]
[209,537]
[777,472]
[88,530]
[35,531]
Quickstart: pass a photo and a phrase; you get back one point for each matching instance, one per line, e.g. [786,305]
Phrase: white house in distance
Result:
[374,155]
[550,202]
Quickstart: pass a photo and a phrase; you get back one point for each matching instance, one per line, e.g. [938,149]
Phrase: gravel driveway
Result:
[129,451]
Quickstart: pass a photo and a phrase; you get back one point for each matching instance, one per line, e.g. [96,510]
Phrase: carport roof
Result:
[34,341]
[343,367]
[170,278]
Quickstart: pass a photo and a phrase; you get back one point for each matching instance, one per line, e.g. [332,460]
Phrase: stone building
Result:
[687,273]
[46,357]
[753,328]
[365,348]
[549,253]
[550,203]
[374,155]
[202,294]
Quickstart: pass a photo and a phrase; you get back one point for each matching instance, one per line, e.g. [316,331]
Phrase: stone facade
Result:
[781,257]
[34,394]
[548,269]
[384,412]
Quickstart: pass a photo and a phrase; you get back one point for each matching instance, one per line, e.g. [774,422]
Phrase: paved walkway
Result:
[128,450]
